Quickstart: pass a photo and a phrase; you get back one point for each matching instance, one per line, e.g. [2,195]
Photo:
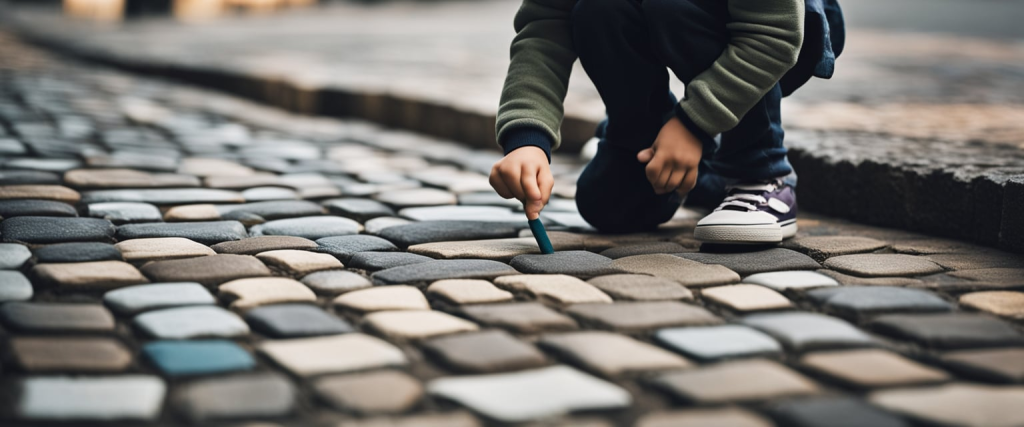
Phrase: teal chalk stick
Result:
[541,235]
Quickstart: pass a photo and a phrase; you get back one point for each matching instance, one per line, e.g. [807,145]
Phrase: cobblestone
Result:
[191,322]
[612,354]
[13,256]
[65,318]
[468,291]
[128,397]
[299,263]
[682,271]
[485,352]
[35,207]
[416,324]
[161,248]
[295,320]
[373,261]
[809,331]
[745,298]
[373,392]
[398,297]
[309,227]
[582,264]
[883,265]
[81,355]
[245,294]
[77,252]
[1003,365]
[834,411]
[14,286]
[734,417]
[525,317]
[642,316]
[344,247]
[249,396]
[42,230]
[255,245]
[872,368]
[207,233]
[964,404]
[823,247]
[99,275]
[786,280]
[744,381]
[207,270]
[136,299]
[855,302]
[640,287]
[187,358]
[710,343]
[527,395]
[747,263]
[333,282]
[332,354]
[949,330]
[649,320]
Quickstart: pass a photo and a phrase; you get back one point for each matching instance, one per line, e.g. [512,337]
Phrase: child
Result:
[738,58]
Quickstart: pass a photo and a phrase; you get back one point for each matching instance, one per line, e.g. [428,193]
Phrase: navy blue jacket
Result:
[824,38]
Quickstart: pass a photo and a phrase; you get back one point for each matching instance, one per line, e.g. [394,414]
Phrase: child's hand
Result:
[524,174]
[673,159]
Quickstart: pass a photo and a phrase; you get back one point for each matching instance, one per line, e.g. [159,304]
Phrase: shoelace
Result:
[747,200]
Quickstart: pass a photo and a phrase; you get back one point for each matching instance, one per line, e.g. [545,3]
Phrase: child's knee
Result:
[602,213]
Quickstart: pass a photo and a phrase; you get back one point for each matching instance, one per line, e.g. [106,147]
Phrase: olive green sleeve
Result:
[765,41]
[538,77]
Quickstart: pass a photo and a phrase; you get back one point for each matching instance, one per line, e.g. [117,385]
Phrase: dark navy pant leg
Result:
[612,42]
[613,193]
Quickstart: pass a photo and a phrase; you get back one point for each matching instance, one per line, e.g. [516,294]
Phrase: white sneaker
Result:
[753,213]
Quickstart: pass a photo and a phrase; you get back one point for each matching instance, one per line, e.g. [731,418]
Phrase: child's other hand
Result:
[673,159]
[524,174]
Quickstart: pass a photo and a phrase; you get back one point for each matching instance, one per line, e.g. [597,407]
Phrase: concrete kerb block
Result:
[988,205]
[1011,232]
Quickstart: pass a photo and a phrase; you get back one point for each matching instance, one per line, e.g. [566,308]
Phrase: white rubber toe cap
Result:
[738,218]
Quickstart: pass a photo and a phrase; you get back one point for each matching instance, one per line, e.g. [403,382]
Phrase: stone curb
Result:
[953,201]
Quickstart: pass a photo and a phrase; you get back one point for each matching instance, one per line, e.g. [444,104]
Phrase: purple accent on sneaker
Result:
[784,193]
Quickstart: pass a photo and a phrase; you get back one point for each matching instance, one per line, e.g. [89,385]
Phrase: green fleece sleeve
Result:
[538,76]
[765,41]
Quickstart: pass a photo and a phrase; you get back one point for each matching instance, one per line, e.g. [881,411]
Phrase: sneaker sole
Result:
[745,234]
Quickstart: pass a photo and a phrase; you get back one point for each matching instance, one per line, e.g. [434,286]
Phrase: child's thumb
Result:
[645,155]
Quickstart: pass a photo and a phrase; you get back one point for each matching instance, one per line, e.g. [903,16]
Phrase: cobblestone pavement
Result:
[176,256]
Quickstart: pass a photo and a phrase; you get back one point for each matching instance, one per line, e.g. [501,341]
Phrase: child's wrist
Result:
[527,137]
[692,126]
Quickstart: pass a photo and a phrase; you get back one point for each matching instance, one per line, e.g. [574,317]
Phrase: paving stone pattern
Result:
[177,257]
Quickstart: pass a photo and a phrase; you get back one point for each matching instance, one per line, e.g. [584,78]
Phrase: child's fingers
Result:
[511,181]
[528,180]
[689,182]
[533,208]
[659,182]
[499,186]
[675,180]
[546,183]
[652,170]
